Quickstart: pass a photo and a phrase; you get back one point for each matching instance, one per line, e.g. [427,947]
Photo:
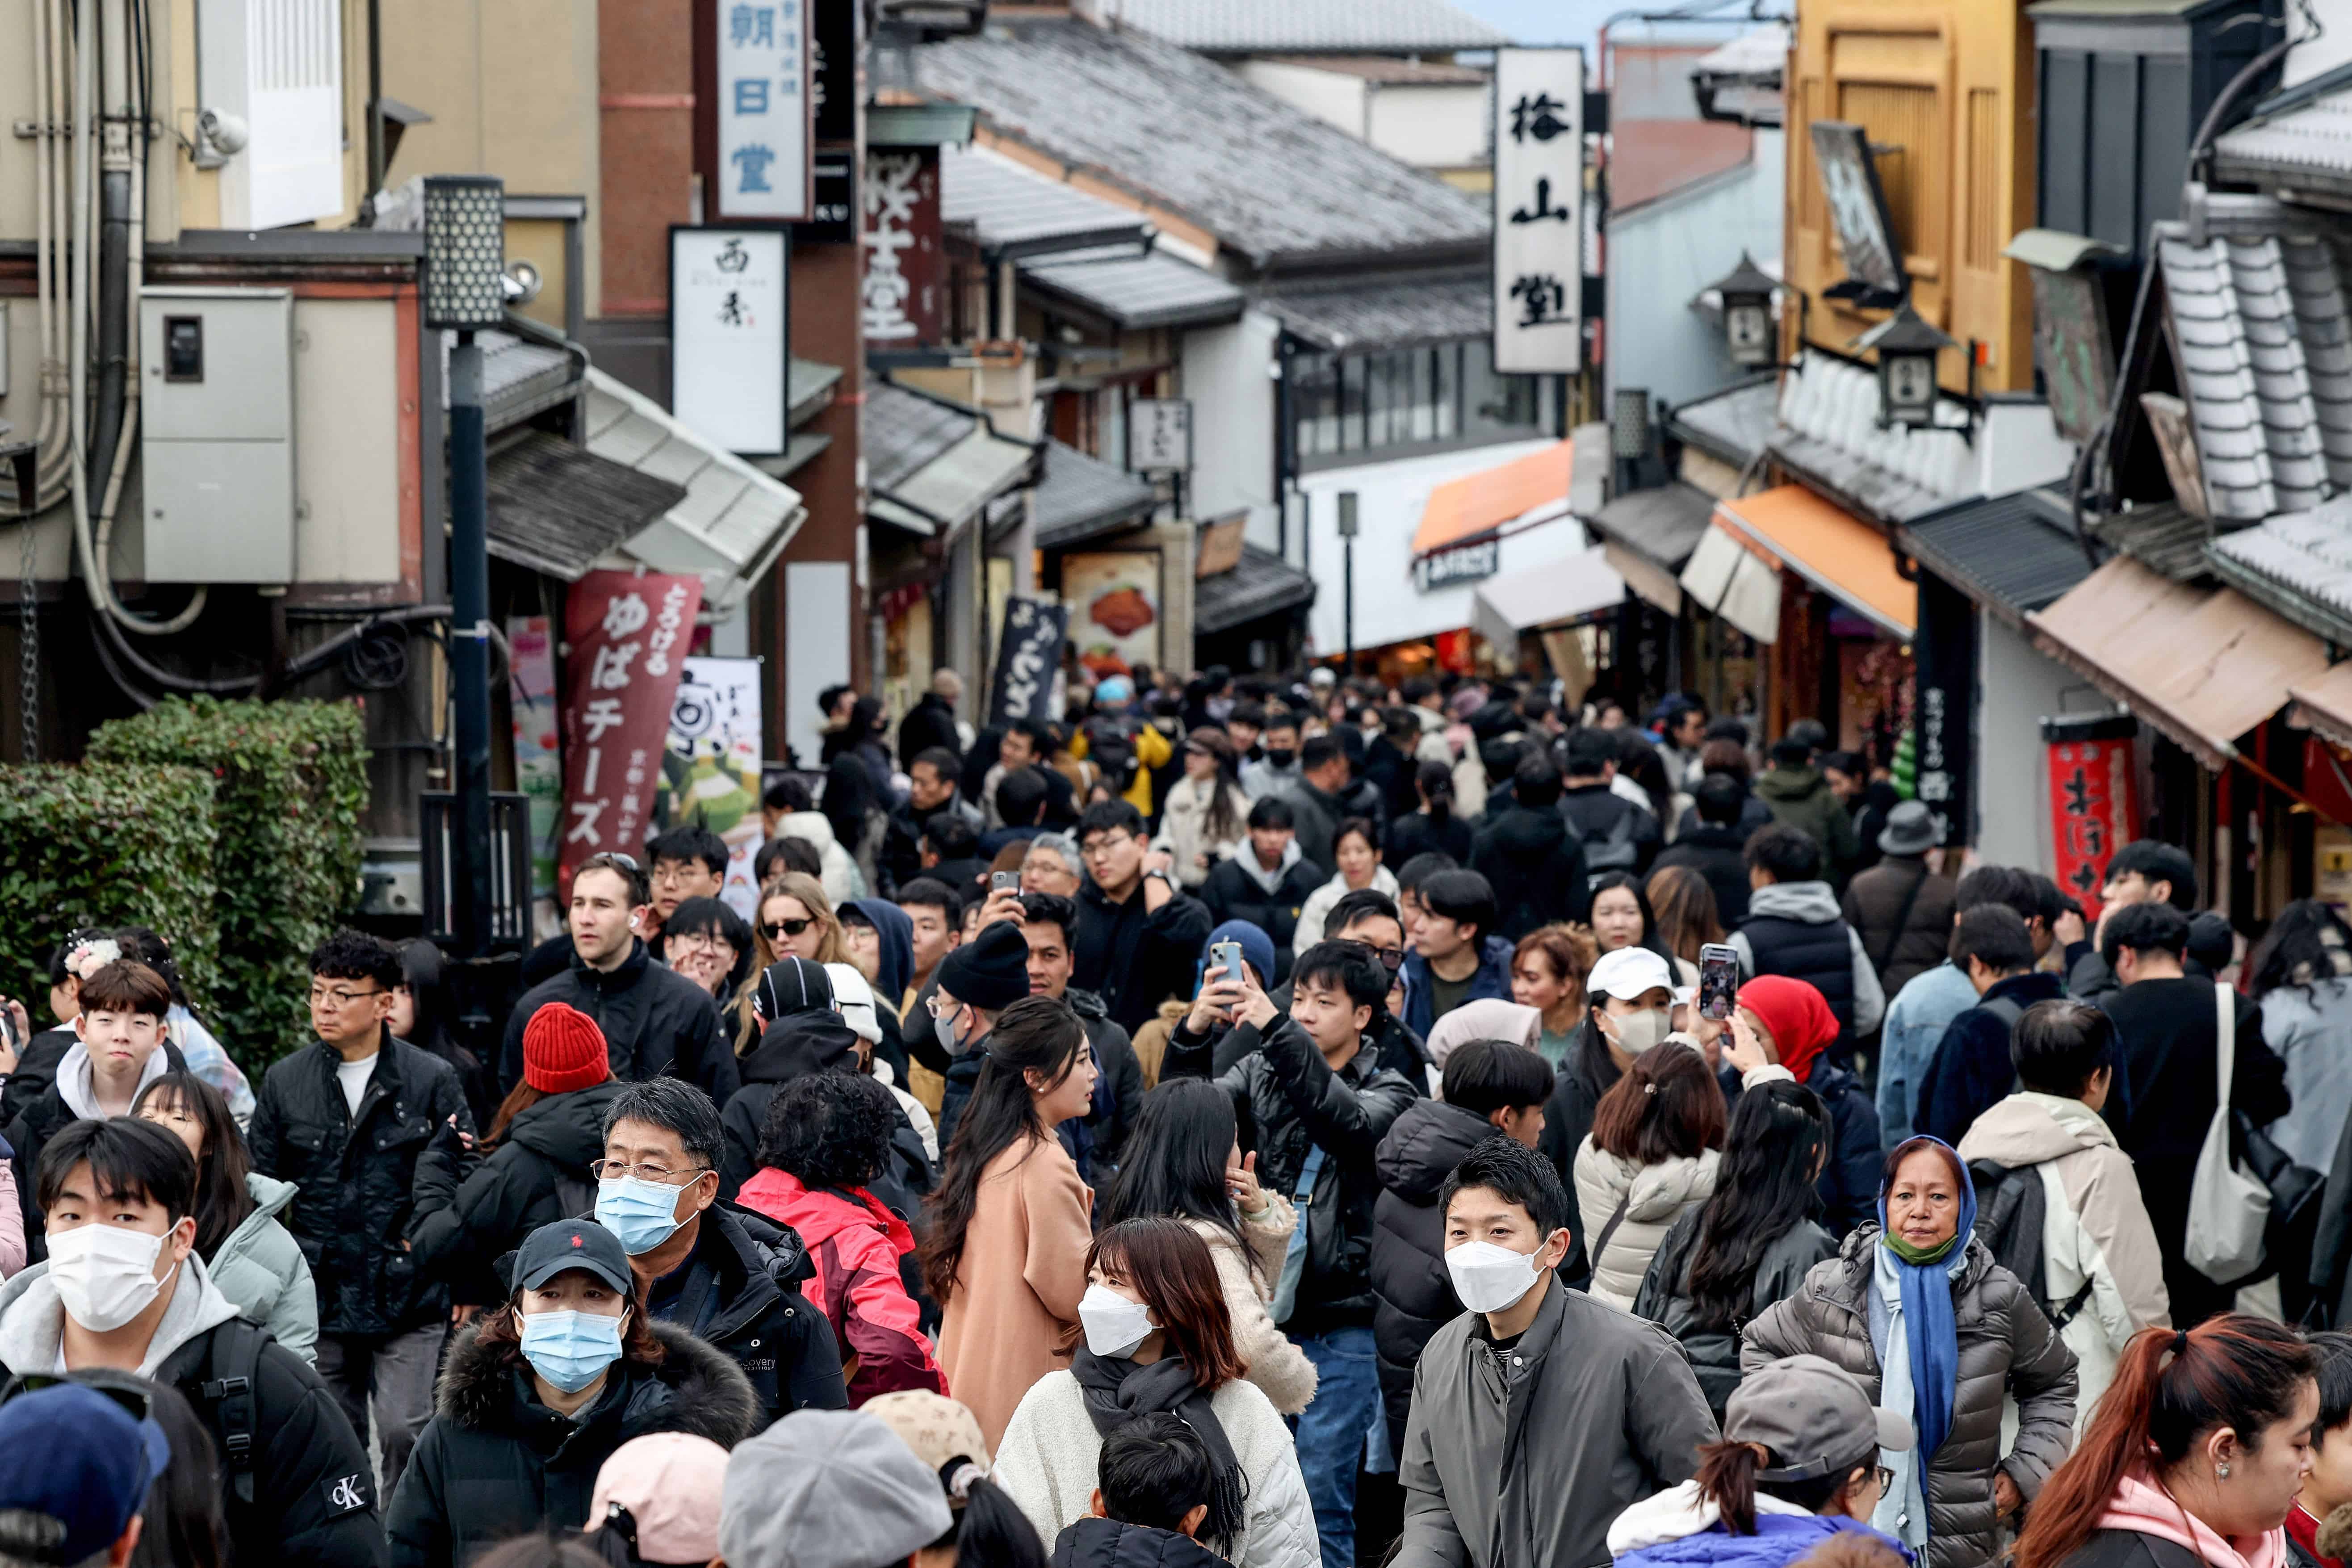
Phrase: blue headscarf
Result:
[1257,951]
[1929,1326]
[897,933]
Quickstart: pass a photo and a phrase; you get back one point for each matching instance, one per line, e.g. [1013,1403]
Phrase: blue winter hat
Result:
[1114,690]
[79,1459]
[1257,951]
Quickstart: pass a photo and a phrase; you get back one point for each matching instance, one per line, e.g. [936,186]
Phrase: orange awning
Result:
[1835,551]
[1484,502]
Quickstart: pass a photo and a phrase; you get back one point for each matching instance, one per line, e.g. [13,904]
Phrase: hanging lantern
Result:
[1908,345]
[1747,295]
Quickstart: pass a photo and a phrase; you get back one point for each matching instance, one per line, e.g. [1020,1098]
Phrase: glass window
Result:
[1424,364]
[1351,404]
[1315,393]
[1447,393]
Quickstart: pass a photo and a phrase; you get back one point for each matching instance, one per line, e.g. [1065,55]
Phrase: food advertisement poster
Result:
[711,772]
[1114,604]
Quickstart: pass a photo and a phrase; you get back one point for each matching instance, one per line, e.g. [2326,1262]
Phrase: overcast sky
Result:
[1577,21]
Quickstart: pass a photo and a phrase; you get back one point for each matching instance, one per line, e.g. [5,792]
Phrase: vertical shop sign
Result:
[903,296]
[763,110]
[1028,657]
[1944,714]
[629,635]
[2093,799]
[1538,208]
[730,346]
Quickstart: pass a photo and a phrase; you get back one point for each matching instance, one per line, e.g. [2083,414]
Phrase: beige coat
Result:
[1184,830]
[1278,1366]
[1654,1197]
[1018,1288]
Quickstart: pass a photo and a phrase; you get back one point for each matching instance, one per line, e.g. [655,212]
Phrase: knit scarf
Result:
[1116,1392]
[1916,1335]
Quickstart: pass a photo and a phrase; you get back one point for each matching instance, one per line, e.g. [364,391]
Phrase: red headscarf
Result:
[1800,1021]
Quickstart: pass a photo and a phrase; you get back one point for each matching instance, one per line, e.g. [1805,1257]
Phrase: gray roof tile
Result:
[1378,313]
[1136,291]
[2299,562]
[2160,537]
[555,507]
[1732,424]
[1017,211]
[1271,181]
[1262,584]
[1829,433]
[2310,145]
[899,433]
[1309,27]
[1083,498]
[2016,553]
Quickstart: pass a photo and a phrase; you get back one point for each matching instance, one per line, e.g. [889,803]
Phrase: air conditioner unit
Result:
[275,69]
[217,433]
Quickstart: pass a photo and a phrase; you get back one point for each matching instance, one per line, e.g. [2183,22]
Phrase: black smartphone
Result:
[1718,981]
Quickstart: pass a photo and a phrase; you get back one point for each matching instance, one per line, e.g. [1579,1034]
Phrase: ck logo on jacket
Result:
[345,1494]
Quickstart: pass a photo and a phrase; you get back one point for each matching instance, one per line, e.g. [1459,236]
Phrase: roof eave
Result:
[2280,600]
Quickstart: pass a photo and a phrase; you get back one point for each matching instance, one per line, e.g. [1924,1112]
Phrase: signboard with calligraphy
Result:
[1944,657]
[1858,211]
[629,634]
[905,297]
[761,108]
[1160,436]
[730,363]
[833,69]
[2094,799]
[833,218]
[1028,657]
[1538,245]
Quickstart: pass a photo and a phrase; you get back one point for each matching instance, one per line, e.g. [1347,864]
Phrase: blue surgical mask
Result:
[570,1349]
[643,1213]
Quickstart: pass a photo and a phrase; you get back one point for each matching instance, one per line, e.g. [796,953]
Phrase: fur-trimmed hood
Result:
[697,1389]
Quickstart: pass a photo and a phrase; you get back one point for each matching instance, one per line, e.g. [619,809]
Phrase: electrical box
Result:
[216,427]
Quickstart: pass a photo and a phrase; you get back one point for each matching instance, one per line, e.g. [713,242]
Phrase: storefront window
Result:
[1442,395]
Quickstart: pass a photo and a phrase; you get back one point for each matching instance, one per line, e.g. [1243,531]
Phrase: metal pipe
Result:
[113,231]
[470,629]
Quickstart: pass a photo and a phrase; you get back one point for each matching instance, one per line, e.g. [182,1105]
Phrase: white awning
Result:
[1731,581]
[1566,590]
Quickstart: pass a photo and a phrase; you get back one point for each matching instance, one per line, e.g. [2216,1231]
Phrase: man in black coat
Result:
[1528,854]
[655,1022]
[1046,921]
[1268,882]
[1137,937]
[296,1485]
[1711,845]
[725,1274]
[344,1120]
[1616,833]
[1971,1070]
[931,722]
[1390,765]
[930,790]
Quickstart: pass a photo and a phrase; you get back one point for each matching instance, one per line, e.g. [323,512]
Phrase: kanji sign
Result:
[764,110]
[1027,657]
[2093,802]
[904,302]
[1944,650]
[629,635]
[730,357]
[1160,436]
[1539,210]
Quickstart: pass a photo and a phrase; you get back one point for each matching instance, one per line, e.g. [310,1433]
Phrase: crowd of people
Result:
[1268,1122]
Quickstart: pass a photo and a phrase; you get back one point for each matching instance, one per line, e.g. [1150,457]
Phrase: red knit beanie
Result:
[563,1049]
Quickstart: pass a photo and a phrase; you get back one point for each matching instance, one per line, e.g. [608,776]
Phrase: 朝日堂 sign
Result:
[730,362]
[764,110]
[1538,245]
[629,635]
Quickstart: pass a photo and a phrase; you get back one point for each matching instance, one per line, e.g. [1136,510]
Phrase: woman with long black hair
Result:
[1184,1159]
[1005,1257]
[1434,829]
[1751,1242]
[422,1011]
[1205,819]
[852,804]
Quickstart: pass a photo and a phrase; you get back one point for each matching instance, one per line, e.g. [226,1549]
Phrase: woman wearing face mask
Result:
[1798,1466]
[1787,1022]
[536,1395]
[2196,1455]
[1650,1158]
[1914,1307]
[1628,996]
[1005,1256]
[1157,1339]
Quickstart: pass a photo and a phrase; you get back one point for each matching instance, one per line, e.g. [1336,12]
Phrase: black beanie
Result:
[992,971]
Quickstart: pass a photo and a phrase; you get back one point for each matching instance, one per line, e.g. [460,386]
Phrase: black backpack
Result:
[2010,1209]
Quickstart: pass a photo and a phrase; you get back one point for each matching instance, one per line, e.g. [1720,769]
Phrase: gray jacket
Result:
[2006,1346]
[261,1269]
[1520,1459]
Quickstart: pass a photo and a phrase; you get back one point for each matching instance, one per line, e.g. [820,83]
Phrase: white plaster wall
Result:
[1225,372]
[2016,689]
[1334,96]
[1430,126]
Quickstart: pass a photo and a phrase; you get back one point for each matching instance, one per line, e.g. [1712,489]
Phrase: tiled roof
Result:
[898,433]
[1732,424]
[2308,145]
[1262,584]
[2299,563]
[1654,158]
[523,374]
[556,508]
[1273,183]
[932,466]
[1083,498]
[1829,433]
[1664,524]
[1758,51]
[2260,327]
[1382,312]
[1016,211]
[2161,537]
[2014,553]
[1388,69]
[1309,26]
[1136,291]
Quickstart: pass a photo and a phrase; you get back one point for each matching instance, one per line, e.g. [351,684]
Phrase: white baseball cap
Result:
[854,1000]
[1627,973]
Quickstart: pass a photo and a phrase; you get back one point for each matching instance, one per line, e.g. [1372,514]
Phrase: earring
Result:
[2221,1472]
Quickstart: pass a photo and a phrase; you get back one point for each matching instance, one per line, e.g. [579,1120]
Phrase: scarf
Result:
[1912,1328]
[1119,1391]
[2141,1505]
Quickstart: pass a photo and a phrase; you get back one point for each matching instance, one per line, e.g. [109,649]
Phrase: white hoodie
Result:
[841,878]
[33,1316]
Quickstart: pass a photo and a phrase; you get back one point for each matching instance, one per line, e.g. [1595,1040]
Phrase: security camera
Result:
[226,132]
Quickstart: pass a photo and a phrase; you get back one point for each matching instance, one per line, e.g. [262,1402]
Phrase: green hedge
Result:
[291,789]
[109,846]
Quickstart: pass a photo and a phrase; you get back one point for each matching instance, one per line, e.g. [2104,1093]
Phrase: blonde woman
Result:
[796,921]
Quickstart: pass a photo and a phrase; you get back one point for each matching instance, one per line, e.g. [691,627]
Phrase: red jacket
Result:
[855,1243]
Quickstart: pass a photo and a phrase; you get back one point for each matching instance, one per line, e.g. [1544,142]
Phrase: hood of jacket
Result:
[1085,1004]
[1811,903]
[1684,1510]
[1424,1146]
[809,825]
[817,1216]
[2027,1128]
[1530,831]
[32,1317]
[2149,1510]
[704,1391]
[1271,881]
[798,1044]
[1107,1544]
[73,1080]
[897,933]
[270,1197]
[1659,1191]
[568,1129]
[1788,784]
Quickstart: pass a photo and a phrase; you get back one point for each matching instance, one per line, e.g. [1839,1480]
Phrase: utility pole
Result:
[1347,573]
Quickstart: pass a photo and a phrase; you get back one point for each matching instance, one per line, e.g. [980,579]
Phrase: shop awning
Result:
[1484,502]
[1836,551]
[931,465]
[1262,584]
[2325,705]
[2203,667]
[1084,498]
[1731,580]
[1135,291]
[1564,590]
[2011,553]
[556,508]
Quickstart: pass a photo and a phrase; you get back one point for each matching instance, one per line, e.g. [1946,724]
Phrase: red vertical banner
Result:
[629,635]
[2092,810]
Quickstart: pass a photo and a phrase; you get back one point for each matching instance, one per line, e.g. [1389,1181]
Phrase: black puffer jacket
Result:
[1236,891]
[1589,1073]
[1107,1544]
[471,1210]
[357,1177]
[1391,1044]
[1665,1300]
[740,1289]
[495,1463]
[1413,1293]
[655,1022]
[1536,867]
[1119,1083]
[782,1056]
[1299,1104]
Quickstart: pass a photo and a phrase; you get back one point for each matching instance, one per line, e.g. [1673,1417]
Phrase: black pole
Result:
[469,634]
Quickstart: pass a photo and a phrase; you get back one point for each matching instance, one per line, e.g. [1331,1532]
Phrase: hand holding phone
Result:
[1004,882]
[1718,981]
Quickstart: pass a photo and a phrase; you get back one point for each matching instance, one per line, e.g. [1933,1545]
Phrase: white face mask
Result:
[1490,1279]
[104,1274]
[1637,1032]
[1114,1324]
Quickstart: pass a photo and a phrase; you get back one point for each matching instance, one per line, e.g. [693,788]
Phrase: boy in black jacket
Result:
[1153,1505]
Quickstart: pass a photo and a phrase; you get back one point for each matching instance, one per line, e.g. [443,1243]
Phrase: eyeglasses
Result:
[1096,848]
[1391,957]
[1886,1477]
[782,928]
[701,942]
[931,1005]
[610,857]
[339,998]
[614,1170]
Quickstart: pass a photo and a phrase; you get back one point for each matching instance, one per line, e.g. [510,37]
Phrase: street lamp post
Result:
[1347,573]
[465,291]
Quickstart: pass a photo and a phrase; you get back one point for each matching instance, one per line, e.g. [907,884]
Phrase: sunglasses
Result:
[788,928]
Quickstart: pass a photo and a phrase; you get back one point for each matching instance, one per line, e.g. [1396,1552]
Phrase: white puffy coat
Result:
[1654,1197]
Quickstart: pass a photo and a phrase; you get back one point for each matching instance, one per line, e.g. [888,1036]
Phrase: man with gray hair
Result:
[1051,866]
[719,1272]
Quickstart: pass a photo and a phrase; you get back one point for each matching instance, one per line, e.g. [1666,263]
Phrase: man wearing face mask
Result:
[125,1289]
[1630,999]
[723,1274]
[1540,1413]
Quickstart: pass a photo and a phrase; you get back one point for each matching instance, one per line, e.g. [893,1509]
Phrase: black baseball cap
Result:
[572,1243]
